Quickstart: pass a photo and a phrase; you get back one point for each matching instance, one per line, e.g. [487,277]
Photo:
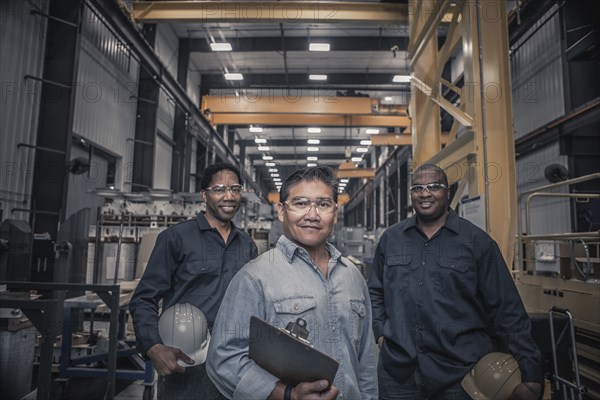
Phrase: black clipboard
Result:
[291,359]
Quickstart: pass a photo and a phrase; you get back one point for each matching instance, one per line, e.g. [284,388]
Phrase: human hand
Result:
[527,391]
[317,390]
[380,341]
[165,359]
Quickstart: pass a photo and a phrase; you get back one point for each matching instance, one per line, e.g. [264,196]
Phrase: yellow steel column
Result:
[426,117]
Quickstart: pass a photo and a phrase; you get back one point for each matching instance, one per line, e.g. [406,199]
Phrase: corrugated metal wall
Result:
[105,105]
[22,41]
[166,46]
[537,75]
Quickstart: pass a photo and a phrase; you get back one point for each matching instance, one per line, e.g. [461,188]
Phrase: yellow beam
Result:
[391,139]
[356,173]
[269,12]
[288,105]
[310,120]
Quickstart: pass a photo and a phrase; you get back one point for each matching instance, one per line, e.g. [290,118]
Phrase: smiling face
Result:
[309,230]
[222,207]
[430,206]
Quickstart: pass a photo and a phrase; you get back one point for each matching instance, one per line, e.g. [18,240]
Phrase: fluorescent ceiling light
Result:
[274,175]
[221,46]
[312,149]
[312,158]
[267,158]
[356,159]
[314,130]
[401,78]
[311,164]
[270,164]
[260,141]
[345,180]
[234,77]
[257,129]
[372,131]
[276,179]
[361,150]
[388,98]
[365,142]
[319,47]
[313,141]
[317,77]
[264,148]
[273,170]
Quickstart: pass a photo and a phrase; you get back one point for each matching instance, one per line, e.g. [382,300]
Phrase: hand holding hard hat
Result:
[184,327]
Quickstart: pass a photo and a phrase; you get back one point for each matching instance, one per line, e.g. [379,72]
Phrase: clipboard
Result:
[291,359]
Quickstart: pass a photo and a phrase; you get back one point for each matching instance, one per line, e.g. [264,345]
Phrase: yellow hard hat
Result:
[494,377]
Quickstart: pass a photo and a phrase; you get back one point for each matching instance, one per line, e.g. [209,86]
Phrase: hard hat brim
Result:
[199,355]
[468,384]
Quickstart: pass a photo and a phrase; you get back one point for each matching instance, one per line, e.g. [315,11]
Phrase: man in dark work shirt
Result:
[192,262]
[439,288]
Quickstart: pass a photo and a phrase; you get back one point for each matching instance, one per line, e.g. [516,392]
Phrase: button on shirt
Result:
[280,286]
[190,263]
[436,300]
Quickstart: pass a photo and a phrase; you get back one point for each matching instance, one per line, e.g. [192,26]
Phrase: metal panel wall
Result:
[22,39]
[105,106]
[166,47]
[530,174]
[537,75]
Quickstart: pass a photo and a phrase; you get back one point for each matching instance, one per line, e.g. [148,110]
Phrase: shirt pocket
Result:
[195,269]
[289,309]
[358,311]
[453,276]
[397,271]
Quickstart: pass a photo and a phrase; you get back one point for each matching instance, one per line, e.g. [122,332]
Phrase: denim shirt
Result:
[280,286]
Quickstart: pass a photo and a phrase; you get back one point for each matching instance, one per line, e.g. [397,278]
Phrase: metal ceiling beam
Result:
[302,142]
[269,12]
[289,104]
[339,43]
[353,121]
[334,79]
[302,157]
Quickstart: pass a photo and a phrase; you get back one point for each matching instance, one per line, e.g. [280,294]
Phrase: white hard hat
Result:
[184,326]
[494,377]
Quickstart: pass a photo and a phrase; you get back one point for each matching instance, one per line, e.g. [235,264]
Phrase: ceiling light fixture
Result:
[264,148]
[319,47]
[311,164]
[345,180]
[231,76]
[273,170]
[372,131]
[362,149]
[257,129]
[365,142]
[314,130]
[276,179]
[221,46]
[274,175]
[267,158]
[401,78]
[312,149]
[313,141]
[270,164]
[388,98]
[260,141]
[312,158]
[356,159]
[317,77]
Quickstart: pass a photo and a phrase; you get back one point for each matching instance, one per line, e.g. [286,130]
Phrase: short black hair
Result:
[322,173]
[432,168]
[212,169]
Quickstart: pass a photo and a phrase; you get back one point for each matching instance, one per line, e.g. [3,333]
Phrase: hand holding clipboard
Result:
[288,356]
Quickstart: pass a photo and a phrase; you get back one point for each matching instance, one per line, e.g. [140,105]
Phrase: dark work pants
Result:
[193,384]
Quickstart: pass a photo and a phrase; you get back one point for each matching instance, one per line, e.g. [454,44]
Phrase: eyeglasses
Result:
[302,205]
[220,190]
[430,187]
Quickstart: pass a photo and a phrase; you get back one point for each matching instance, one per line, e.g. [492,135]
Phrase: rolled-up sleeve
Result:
[228,364]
